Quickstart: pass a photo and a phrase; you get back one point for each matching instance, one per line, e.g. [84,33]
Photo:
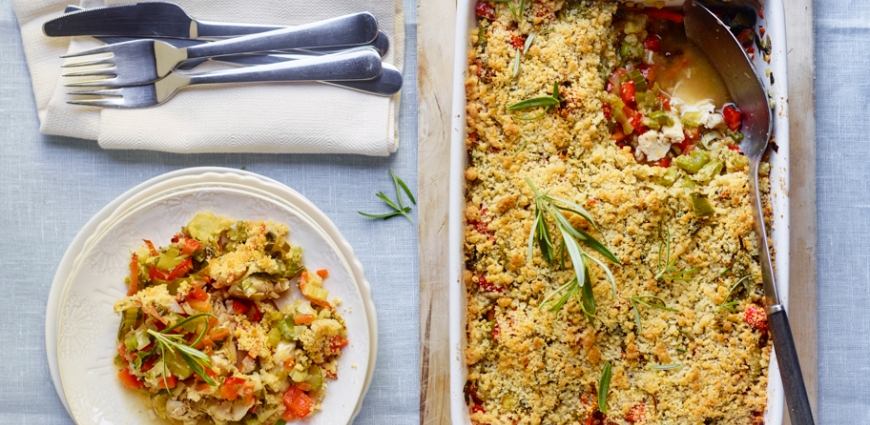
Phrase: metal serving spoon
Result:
[746,89]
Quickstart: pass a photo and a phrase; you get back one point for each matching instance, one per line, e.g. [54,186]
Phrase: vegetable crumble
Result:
[208,335]
[583,124]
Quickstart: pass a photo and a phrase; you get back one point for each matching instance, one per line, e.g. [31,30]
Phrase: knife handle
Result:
[364,64]
[349,30]
[796,398]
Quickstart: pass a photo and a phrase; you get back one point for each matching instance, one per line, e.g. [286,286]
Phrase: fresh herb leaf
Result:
[603,388]
[398,206]
[522,148]
[729,305]
[175,343]
[655,302]
[671,366]
[667,269]
[681,349]
[580,285]
[534,103]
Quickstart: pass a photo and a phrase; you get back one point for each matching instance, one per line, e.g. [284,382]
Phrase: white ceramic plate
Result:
[774,24]
[157,211]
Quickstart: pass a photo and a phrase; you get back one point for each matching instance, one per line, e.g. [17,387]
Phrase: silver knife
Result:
[157,20]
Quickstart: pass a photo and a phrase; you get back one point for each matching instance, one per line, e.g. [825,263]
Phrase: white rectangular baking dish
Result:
[773,21]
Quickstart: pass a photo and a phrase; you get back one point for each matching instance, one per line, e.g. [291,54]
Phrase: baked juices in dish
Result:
[611,266]
[211,331]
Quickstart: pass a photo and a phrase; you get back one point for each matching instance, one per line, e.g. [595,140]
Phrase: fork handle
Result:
[348,30]
[356,65]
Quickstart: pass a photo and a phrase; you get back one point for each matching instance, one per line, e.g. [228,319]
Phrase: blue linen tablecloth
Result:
[51,186]
[842,30]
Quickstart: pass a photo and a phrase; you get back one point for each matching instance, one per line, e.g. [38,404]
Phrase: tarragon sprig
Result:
[398,206]
[516,11]
[669,269]
[553,207]
[654,302]
[175,343]
[729,305]
[547,102]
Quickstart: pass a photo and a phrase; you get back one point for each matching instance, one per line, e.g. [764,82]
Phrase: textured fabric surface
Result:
[51,186]
[275,117]
[842,30]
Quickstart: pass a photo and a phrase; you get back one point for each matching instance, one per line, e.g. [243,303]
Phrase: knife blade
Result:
[159,20]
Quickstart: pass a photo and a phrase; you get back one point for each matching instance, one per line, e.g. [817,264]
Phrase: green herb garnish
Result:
[547,102]
[546,205]
[398,207]
[669,270]
[671,366]
[729,305]
[603,388]
[655,302]
[175,343]
[516,11]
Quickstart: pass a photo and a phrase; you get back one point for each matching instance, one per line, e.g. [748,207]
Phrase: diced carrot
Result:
[197,293]
[303,319]
[190,246]
[151,247]
[129,380]
[171,381]
[219,334]
[289,363]
[323,273]
[304,386]
[240,307]
[296,401]
[232,387]
[199,305]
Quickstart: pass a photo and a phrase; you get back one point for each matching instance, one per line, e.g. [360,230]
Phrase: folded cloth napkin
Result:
[274,117]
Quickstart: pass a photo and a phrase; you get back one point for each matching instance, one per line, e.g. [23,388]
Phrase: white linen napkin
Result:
[266,118]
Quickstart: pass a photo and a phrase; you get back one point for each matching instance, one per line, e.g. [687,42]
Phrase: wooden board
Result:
[435,40]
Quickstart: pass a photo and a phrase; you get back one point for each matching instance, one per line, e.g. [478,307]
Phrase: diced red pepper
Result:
[134,275]
[664,162]
[626,91]
[653,43]
[618,135]
[517,42]
[232,387]
[664,100]
[477,409]
[181,270]
[129,380]
[735,148]
[487,286]
[636,414]
[240,307]
[147,365]
[636,121]
[733,117]
[755,317]
[664,14]
[608,114]
[485,10]
[297,402]
[197,293]
[256,315]
[496,331]
[337,343]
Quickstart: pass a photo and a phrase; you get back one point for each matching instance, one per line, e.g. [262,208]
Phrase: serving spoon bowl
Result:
[715,39]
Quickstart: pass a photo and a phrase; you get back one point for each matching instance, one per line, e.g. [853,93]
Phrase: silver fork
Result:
[145,61]
[359,64]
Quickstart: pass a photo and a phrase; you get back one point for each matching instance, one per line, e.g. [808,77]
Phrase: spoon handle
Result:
[798,402]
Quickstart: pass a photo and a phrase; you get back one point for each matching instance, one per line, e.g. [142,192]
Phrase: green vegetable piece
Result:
[669,177]
[177,367]
[662,117]
[534,103]
[692,119]
[169,259]
[481,36]
[274,337]
[128,321]
[687,183]
[640,84]
[315,377]
[709,171]
[616,105]
[693,162]
[285,327]
[651,123]
[701,206]
[630,50]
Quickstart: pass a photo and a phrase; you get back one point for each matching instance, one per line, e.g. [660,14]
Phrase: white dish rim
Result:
[272,187]
[774,24]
